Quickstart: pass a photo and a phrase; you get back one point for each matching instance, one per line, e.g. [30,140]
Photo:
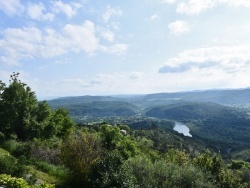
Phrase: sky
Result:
[99,47]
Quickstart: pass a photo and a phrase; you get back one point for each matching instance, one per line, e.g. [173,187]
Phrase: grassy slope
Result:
[32,169]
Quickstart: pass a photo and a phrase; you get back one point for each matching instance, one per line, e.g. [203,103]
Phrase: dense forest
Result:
[96,142]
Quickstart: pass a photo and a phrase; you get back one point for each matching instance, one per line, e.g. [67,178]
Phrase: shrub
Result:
[109,171]
[79,153]
[12,182]
[127,148]
[9,165]
[53,170]
[10,145]
[225,178]
[163,174]
[22,149]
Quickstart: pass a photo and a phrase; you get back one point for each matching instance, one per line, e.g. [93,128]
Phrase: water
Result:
[182,128]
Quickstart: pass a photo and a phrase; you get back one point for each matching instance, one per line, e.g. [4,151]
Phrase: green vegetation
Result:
[24,118]
[43,147]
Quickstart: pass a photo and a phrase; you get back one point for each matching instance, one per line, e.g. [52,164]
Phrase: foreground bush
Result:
[79,153]
[164,174]
[109,171]
[10,165]
[12,182]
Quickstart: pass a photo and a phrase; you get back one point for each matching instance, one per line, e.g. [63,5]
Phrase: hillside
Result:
[99,108]
[79,100]
[212,123]
[188,111]
[224,97]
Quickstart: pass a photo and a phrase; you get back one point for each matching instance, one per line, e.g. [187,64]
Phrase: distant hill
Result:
[98,108]
[80,100]
[152,104]
[184,111]
[225,97]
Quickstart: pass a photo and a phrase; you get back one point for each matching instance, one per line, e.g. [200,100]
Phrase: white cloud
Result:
[107,35]
[154,17]
[81,37]
[197,6]
[244,3]
[224,59]
[136,75]
[117,49]
[36,12]
[111,12]
[18,44]
[53,44]
[178,27]
[11,7]
[69,10]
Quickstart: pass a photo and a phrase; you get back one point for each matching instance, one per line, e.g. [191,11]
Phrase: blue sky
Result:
[92,47]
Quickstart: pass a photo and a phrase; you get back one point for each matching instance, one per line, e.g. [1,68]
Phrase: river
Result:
[182,128]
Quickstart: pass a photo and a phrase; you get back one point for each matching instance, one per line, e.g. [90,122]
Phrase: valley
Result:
[218,120]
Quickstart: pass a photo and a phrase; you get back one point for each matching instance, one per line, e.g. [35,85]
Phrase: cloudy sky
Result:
[93,47]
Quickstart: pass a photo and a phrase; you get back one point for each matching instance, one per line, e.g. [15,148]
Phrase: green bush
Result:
[53,170]
[46,150]
[224,177]
[9,165]
[22,149]
[109,171]
[79,153]
[10,145]
[12,182]
[162,174]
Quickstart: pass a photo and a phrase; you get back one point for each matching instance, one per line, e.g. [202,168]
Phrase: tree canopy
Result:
[23,117]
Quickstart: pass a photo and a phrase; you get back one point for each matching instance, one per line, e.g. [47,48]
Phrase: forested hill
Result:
[184,111]
[80,99]
[224,97]
[131,105]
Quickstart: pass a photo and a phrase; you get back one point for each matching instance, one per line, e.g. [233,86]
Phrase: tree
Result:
[110,136]
[127,148]
[60,124]
[18,104]
[22,116]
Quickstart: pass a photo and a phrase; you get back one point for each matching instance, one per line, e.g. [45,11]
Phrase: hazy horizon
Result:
[136,94]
